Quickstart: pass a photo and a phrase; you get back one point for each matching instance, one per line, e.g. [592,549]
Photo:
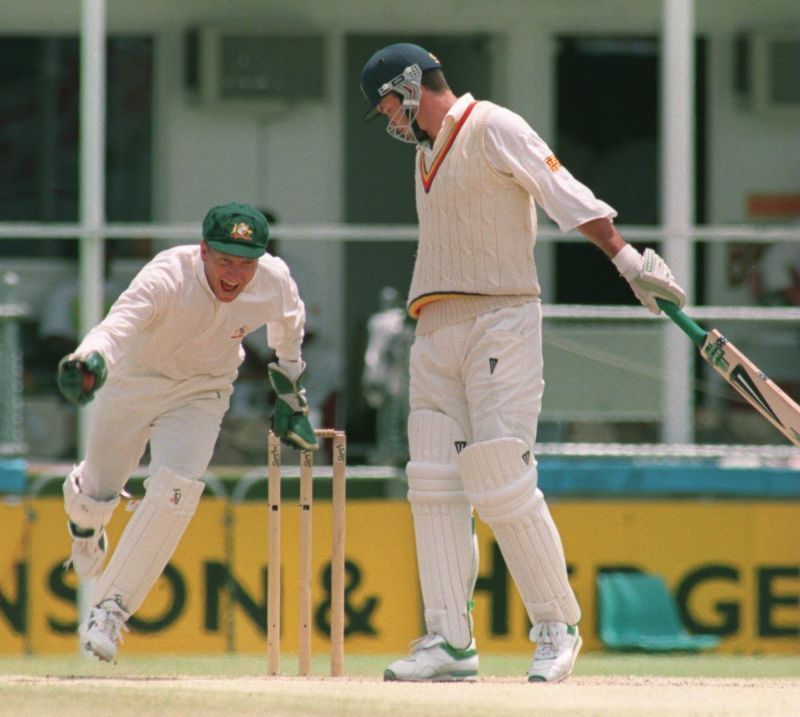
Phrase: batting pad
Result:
[85,512]
[447,549]
[149,539]
[500,481]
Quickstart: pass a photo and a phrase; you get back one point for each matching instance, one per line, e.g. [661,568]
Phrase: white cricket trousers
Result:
[180,419]
[485,373]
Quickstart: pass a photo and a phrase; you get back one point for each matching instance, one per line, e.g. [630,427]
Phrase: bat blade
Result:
[752,384]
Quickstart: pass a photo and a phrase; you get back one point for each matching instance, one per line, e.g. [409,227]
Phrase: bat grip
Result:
[694,331]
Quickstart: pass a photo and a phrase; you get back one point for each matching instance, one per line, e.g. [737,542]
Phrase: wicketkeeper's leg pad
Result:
[500,480]
[83,511]
[447,551]
[149,539]
[86,519]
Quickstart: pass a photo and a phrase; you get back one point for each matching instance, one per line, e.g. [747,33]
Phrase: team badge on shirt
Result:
[242,230]
[552,163]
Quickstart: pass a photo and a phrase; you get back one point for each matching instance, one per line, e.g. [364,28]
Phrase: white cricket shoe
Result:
[88,551]
[433,659]
[557,646]
[102,632]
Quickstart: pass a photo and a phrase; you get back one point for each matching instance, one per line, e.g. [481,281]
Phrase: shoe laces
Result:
[110,620]
[424,642]
[544,636]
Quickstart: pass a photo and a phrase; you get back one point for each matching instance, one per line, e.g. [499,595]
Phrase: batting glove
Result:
[649,278]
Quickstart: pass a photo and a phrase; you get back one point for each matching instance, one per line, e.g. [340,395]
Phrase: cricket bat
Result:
[753,385]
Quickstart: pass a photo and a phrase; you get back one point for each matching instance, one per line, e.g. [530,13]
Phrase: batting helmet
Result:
[396,68]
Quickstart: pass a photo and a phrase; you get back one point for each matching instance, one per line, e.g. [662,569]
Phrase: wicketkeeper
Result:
[476,363]
[166,357]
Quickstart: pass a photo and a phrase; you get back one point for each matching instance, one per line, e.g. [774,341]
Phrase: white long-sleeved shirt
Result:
[169,323]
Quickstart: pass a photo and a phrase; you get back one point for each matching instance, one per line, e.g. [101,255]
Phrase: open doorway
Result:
[608,115]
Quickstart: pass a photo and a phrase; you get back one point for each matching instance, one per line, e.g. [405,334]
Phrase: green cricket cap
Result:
[237,229]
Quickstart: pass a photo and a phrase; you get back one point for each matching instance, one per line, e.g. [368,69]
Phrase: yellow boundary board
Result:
[735,566]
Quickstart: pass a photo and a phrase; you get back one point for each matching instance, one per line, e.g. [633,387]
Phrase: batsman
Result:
[161,368]
[476,362]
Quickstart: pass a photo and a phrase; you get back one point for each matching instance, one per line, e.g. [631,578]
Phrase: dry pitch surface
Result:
[122,693]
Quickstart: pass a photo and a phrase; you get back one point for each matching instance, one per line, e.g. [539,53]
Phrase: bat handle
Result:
[694,331]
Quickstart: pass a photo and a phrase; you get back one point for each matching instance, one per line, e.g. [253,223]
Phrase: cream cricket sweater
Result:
[477,227]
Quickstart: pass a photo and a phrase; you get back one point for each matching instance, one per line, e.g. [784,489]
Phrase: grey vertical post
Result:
[677,204]
[92,176]
[11,432]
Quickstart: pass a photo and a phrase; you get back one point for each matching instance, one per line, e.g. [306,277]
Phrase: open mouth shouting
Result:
[229,288]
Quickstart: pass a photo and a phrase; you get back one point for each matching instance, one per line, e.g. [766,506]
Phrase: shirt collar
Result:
[453,115]
[459,108]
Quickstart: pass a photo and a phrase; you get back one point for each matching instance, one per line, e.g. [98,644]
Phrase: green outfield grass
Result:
[204,686]
[588,664]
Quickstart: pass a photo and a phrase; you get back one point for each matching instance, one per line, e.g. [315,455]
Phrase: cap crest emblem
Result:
[242,230]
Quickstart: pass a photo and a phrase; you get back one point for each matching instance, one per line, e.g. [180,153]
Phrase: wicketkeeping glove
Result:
[80,376]
[649,277]
[290,418]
